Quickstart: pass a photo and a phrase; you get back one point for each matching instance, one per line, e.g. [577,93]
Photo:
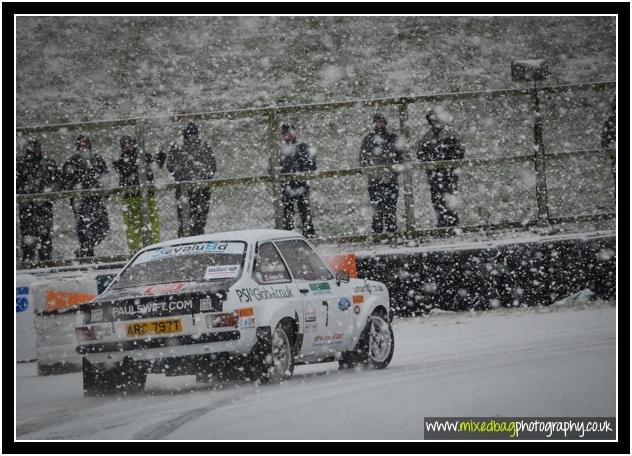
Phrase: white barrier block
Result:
[25,338]
[55,333]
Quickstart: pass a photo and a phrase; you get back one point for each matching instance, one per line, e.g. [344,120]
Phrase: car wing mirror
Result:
[342,276]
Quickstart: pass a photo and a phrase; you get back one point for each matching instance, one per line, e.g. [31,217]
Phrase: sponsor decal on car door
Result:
[315,284]
[318,302]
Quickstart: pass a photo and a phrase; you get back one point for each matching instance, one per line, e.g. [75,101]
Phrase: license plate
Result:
[153,327]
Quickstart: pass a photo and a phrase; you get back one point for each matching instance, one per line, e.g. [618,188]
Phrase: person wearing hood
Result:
[84,171]
[380,147]
[192,159]
[36,174]
[441,142]
[296,157]
[130,163]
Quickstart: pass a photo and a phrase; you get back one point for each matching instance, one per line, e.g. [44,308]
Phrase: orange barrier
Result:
[56,299]
[346,263]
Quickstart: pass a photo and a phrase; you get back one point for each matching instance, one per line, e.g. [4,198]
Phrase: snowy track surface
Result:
[555,361]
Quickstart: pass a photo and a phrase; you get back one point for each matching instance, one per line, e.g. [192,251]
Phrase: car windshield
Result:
[197,262]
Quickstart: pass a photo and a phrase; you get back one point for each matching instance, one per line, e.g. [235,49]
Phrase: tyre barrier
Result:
[496,274]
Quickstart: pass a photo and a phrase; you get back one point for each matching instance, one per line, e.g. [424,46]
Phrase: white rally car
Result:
[257,302]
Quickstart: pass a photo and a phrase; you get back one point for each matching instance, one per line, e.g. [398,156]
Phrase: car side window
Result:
[269,267]
[303,262]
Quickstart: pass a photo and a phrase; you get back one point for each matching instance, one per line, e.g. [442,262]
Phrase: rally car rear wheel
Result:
[376,345]
[282,365]
[277,363]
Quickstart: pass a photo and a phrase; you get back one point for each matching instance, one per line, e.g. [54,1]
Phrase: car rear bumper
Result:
[239,342]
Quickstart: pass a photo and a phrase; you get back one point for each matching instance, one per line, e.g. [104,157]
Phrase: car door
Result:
[323,318]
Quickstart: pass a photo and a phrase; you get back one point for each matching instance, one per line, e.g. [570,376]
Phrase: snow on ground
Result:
[553,361]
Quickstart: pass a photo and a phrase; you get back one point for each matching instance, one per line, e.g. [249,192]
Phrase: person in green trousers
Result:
[129,166]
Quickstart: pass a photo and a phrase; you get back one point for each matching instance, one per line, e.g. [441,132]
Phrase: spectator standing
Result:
[36,174]
[380,148]
[131,162]
[192,159]
[84,171]
[296,157]
[441,142]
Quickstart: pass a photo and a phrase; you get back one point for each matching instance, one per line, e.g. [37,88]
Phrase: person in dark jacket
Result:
[296,157]
[84,171]
[380,148]
[192,159]
[130,163]
[441,142]
[36,174]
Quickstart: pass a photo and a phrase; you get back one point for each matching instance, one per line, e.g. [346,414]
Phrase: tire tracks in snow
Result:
[162,429]
[71,423]
[42,422]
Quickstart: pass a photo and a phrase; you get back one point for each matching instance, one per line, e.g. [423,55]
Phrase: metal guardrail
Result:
[279,178]
[538,158]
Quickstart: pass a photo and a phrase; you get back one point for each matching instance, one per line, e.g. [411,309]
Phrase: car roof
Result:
[248,236]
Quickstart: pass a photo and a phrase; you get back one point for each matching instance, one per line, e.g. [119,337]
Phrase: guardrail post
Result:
[613,156]
[18,238]
[407,174]
[274,166]
[540,169]
[145,218]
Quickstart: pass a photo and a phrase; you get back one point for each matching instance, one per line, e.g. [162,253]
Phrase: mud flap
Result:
[257,366]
